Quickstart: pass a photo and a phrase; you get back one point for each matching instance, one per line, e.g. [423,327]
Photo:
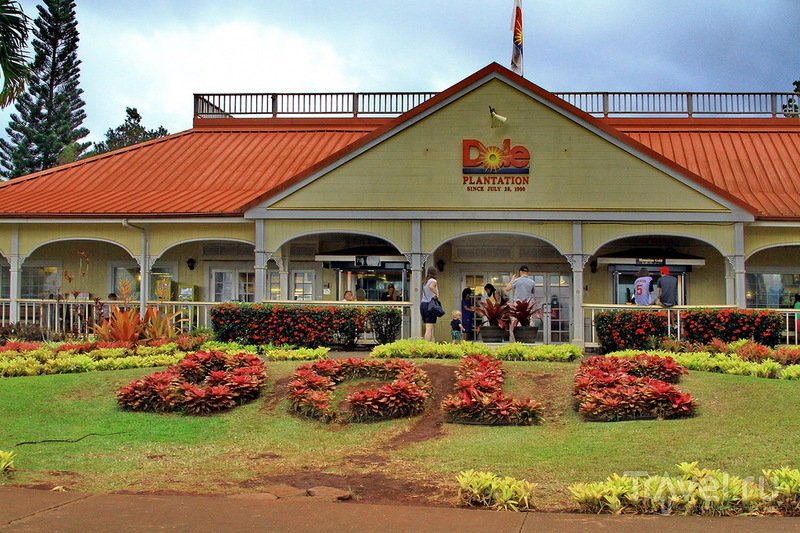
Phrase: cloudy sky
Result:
[154,54]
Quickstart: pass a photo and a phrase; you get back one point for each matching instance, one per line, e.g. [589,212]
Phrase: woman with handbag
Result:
[430,291]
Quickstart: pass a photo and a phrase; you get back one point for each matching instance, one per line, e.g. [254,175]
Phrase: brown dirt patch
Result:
[429,424]
[369,487]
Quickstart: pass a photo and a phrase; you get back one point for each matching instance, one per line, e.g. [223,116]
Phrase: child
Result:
[457,328]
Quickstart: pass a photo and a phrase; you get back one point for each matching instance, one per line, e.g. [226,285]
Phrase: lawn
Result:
[744,424]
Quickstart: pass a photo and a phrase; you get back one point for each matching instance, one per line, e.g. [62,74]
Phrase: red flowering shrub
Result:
[478,397]
[625,388]
[311,389]
[201,383]
[630,330]
[703,325]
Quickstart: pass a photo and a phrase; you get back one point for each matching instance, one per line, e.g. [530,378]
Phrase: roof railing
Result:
[606,104]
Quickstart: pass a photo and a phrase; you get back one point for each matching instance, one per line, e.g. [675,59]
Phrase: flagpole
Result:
[516,39]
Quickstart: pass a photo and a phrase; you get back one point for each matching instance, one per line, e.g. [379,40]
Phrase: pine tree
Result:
[129,132]
[50,112]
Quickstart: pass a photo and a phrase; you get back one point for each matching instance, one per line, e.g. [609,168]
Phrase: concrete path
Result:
[27,510]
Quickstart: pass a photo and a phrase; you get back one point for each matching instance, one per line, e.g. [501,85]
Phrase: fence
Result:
[674,325]
[75,317]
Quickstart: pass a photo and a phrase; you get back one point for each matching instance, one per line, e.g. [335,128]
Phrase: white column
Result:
[738,267]
[15,262]
[262,257]
[577,260]
[283,275]
[417,261]
[730,280]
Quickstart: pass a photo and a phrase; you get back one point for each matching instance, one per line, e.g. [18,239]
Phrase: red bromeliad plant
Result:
[200,383]
[479,399]
[496,313]
[625,388]
[312,386]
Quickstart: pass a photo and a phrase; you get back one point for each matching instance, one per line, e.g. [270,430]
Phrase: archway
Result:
[477,259]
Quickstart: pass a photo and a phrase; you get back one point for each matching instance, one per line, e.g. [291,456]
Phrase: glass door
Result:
[553,292]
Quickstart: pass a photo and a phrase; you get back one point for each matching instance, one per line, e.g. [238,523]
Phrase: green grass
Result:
[744,425]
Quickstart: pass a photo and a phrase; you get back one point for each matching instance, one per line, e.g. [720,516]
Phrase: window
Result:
[303,285]
[132,273]
[771,289]
[233,286]
[274,281]
[39,281]
[5,281]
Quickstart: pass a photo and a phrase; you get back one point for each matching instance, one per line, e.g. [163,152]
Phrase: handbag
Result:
[435,307]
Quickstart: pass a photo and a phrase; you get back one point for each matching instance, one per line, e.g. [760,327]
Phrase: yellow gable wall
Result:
[571,167]
[279,232]
[719,235]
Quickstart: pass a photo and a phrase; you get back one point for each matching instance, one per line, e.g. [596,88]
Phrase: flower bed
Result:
[724,363]
[621,388]
[479,398]
[419,348]
[36,358]
[200,383]
[694,492]
[307,326]
[311,389]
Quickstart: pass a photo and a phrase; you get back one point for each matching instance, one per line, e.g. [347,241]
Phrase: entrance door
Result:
[553,292]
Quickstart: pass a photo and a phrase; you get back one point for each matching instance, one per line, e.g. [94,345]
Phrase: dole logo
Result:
[480,159]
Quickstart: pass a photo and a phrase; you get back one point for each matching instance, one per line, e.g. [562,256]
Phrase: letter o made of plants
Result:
[311,389]
[198,384]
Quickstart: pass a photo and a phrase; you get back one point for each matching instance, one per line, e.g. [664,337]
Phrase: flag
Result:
[516,29]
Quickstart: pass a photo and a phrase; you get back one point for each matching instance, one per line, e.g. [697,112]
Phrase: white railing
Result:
[674,326]
[606,104]
[76,316]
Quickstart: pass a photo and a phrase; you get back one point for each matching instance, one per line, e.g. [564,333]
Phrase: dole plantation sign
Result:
[494,168]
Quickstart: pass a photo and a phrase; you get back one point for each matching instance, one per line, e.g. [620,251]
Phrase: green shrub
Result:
[385,323]
[538,352]
[791,372]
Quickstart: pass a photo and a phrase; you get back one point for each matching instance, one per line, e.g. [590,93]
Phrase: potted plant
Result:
[524,312]
[497,320]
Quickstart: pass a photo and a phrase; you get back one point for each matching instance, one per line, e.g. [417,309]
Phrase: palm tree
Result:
[13,59]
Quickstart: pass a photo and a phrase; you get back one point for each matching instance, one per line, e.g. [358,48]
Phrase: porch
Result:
[76,316]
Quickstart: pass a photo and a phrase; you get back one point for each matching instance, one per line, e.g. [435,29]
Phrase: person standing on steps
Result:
[523,287]
[667,288]
[430,290]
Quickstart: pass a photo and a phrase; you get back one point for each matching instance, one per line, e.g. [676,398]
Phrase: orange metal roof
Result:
[225,166]
[213,171]
[756,160]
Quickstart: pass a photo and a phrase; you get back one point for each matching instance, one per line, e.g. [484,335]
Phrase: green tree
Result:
[50,111]
[792,108]
[129,132]
[13,58]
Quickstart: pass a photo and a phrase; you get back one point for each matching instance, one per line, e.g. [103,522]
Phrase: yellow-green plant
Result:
[6,462]
[486,489]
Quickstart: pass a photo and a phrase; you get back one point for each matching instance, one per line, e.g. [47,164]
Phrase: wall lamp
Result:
[191,263]
[440,265]
[497,120]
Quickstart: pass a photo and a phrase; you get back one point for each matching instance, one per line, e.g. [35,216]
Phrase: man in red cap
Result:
[667,288]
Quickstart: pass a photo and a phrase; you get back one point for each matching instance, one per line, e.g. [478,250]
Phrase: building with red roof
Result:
[301,197]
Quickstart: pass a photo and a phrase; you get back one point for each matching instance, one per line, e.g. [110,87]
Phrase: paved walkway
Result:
[27,510]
